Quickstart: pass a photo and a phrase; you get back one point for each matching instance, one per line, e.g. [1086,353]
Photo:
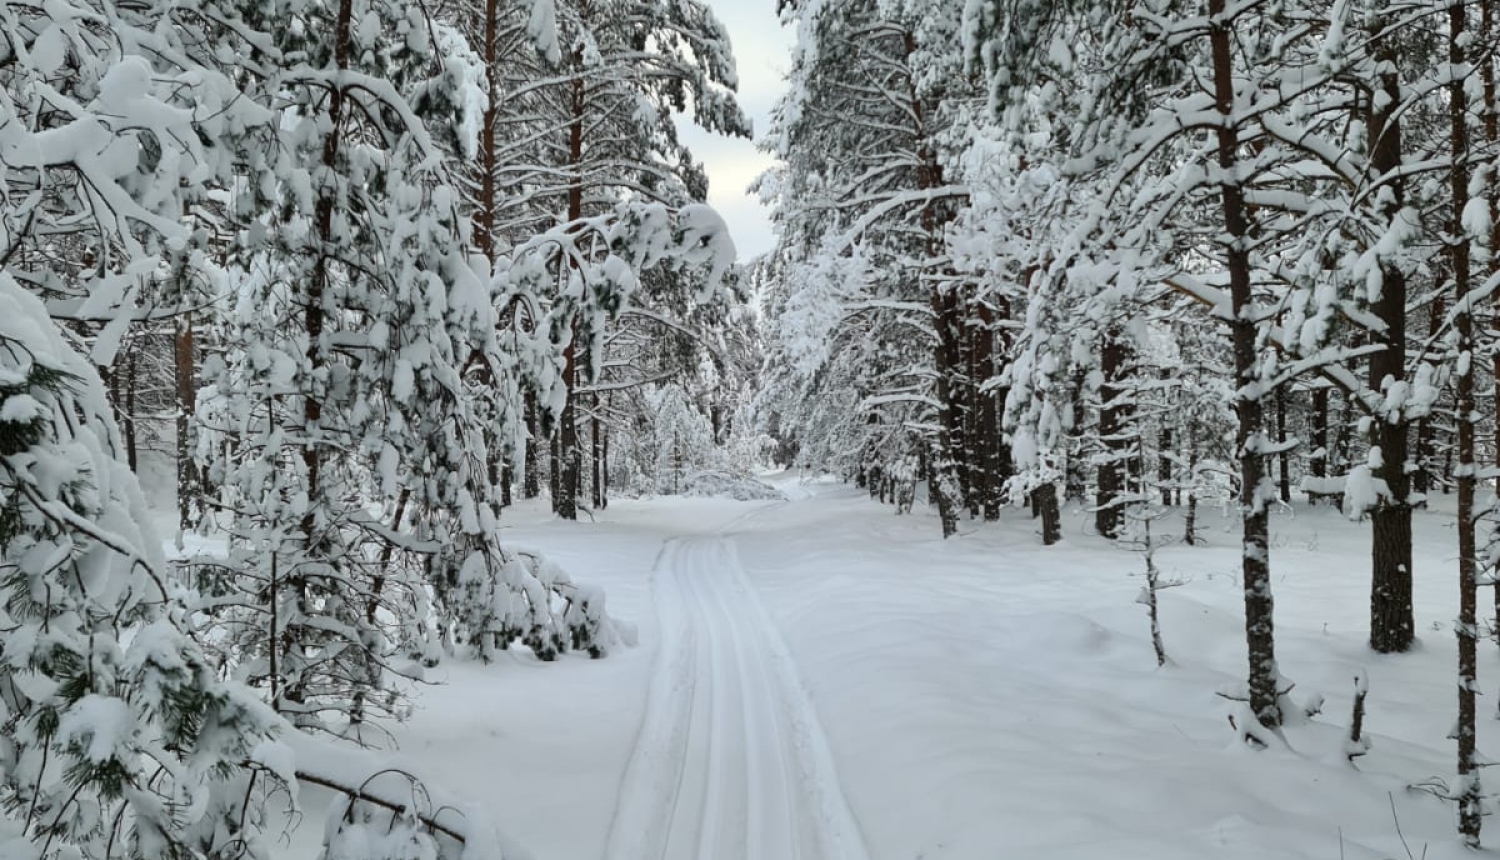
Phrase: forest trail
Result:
[731,762]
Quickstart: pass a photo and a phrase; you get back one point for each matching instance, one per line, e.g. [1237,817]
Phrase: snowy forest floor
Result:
[821,679]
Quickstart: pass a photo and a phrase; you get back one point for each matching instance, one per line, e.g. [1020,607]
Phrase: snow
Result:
[974,698]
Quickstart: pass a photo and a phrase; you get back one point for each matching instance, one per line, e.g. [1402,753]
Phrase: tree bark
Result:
[1249,433]
[1044,498]
[184,366]
[1164,464]
[568,466]
[1468,789]
[992,458]
[1318,465]
[1491,112]
[1391,624]
[531,480]
[1109,515]
[1283,455]
[596,454]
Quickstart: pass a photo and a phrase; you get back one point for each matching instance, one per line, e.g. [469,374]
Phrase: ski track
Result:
[731,762]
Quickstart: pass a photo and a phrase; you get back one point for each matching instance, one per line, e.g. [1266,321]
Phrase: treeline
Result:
[1132,253]
[358,268]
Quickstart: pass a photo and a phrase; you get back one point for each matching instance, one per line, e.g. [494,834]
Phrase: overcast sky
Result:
[762,53]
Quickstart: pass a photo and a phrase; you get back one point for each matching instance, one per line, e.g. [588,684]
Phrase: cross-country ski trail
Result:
[731,762]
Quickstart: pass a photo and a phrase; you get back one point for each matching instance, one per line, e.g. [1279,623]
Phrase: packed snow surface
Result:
[819,679]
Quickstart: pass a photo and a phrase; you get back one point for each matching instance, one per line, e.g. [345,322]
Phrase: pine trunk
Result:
[132,384]
[1164,464]
[1109,515]
[1250,433]
[531,480]
[1391,624]
[1044,499]
[1491,112]
[1318,465]
[184,367]
[596,454]
[1469,806]
[1283,455]
[991,475]
[568,465]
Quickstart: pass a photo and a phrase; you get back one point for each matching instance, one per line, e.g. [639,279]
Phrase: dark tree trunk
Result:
[1469,806]
[1109,515]
[1491,111]
[1044,499]
[947,460]
[604,471]
[1075,477]
[185,377]
[531,480]
[596,454]
[1164,464]
[132,383]
[1190,520]
[1391,623]
[1318,465]
[1283,456]
[1256,563]
[567,467]
[941,484]
[554,474]
[991,474]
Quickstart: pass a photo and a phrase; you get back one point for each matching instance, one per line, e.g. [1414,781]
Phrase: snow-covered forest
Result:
[390,433]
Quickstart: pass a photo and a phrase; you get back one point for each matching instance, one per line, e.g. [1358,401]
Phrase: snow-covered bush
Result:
[117,734]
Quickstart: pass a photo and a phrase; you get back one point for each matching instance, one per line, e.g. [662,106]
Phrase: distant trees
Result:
[867,133]
[569,132]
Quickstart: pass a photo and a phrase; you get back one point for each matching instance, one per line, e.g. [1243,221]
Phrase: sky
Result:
[762,51]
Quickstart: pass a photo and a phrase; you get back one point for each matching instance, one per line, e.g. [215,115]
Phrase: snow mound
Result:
[726,485]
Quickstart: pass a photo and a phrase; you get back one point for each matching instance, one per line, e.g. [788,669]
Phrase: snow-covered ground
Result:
[821,679]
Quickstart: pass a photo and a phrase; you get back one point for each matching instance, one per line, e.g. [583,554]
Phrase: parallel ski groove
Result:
[730,761]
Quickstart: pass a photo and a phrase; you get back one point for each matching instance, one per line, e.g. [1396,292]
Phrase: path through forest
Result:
[981,696]
[731,762]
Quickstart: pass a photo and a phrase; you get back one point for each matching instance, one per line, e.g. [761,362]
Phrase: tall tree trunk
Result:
[185,377]
[1318,465]
[1044,504]
[531,457]
[990,476]
[484,212]
[596,453]
[1491,112]
[132,385]
[568,466]
[1249,434]
[313,322]
[1469,807]
[1391,623]
[1164,464]
[1109,515]
[946,462]
[604,470]
[487,206]
[1283,455]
